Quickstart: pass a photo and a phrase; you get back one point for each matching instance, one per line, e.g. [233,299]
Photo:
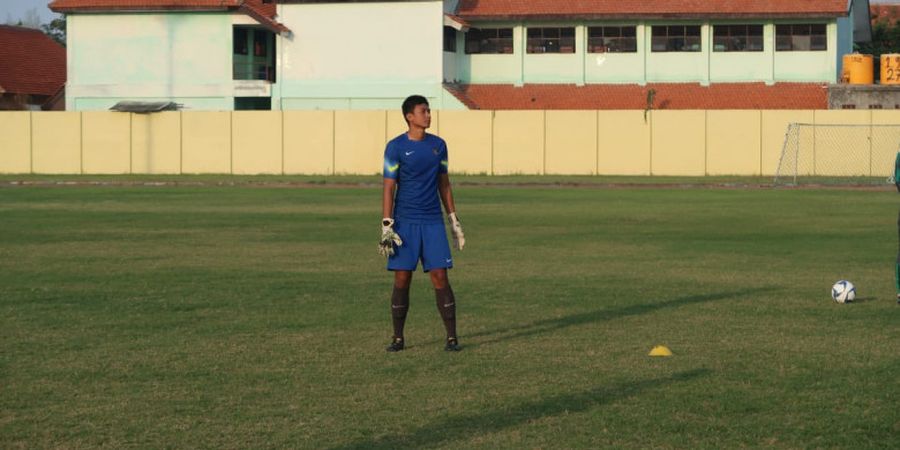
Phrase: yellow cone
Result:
[660,350]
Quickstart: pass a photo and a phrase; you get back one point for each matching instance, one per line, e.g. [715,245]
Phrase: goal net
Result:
[822,153]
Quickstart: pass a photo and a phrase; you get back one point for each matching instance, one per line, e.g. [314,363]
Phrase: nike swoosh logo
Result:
[409,153]
[449,260]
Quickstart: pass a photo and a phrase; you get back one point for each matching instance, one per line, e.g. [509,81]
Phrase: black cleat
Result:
[396,345]
[898,299]
[452,345]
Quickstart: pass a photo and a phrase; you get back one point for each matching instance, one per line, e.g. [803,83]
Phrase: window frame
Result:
[550,40]
[735,41]
[593,47]
[449,40]
[793,40]
[495,43]
[671,35]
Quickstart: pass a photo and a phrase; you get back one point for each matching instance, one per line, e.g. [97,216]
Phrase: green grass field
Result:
[255,316]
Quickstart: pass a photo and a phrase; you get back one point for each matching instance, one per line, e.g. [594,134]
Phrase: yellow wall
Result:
[571,147]
[842,151]
[359,142]
[773,128]
[156,143]
[885,141]
[679,143]
[106,142]
[518,142]
[469,140]
[206,142]
[489,142]
[256,142]
[732,142]
[623,147]
[309,142]
[15,142]
[56,142]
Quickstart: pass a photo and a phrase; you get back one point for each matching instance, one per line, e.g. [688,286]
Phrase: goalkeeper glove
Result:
[459,239]
[389,237]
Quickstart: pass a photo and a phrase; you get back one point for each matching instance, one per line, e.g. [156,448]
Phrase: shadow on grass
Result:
[601,315]
[465,426]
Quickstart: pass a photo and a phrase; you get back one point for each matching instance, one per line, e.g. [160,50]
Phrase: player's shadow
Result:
[600,315]
[445,430]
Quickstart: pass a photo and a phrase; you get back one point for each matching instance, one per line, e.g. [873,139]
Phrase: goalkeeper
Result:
[897,265]
[412,229]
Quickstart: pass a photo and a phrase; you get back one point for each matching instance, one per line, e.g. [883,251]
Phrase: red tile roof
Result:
[536,9]
[65,6]
[633,96]
[30,62]
[264,13]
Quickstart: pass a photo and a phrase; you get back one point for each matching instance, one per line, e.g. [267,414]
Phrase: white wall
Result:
[385,42]
[149,56]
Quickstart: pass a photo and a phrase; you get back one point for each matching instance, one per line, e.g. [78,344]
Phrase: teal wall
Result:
[613,67]
[645,66]
[184,58]
[743,66]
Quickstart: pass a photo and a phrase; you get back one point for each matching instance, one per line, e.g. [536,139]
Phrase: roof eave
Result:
[141,9]
[269,23]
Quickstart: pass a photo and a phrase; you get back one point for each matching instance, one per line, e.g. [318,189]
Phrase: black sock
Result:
[399,308]
[446,304]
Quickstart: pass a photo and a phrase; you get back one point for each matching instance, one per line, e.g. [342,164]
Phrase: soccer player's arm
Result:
[391,171]
[446,193]
[389,238]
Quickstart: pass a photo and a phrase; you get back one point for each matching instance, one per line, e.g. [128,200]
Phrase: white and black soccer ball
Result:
[843,292]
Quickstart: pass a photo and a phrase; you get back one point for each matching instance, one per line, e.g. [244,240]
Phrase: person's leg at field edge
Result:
[446,305]
[399,307]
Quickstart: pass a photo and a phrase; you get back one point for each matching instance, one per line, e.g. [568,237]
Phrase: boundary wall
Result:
[662,142]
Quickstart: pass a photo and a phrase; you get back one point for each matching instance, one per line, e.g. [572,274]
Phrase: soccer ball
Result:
[843,292]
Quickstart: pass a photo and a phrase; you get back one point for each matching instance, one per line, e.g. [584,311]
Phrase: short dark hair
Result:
[411,102]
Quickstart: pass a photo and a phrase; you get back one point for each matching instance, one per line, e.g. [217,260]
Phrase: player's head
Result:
[416,111]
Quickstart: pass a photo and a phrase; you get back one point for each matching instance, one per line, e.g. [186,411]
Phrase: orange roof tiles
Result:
[263,13]
[64,6]
[505,9]
[633,96]
[30,62]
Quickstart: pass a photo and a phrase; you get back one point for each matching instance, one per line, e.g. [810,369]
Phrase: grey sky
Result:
[17,8]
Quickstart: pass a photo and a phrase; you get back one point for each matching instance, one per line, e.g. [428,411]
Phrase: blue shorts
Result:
[426,242]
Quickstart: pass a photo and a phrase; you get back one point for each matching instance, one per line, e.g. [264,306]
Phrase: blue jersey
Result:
[416,165]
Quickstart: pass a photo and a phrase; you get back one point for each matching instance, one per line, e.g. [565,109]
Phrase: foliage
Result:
[56,29]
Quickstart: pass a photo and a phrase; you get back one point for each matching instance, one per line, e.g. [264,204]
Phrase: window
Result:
[240,41]
[254,54]
[260,43]
[551,40]
[449,39]
[612,40]
[676,38]
[489,40]
[801,37]
[737,38]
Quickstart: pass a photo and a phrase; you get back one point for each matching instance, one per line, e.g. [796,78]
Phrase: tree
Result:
[885,39]
[56,29]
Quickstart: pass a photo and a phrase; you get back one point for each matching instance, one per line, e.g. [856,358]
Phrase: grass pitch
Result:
[250,316]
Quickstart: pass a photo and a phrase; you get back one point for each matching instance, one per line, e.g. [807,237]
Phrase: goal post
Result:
[837,153]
